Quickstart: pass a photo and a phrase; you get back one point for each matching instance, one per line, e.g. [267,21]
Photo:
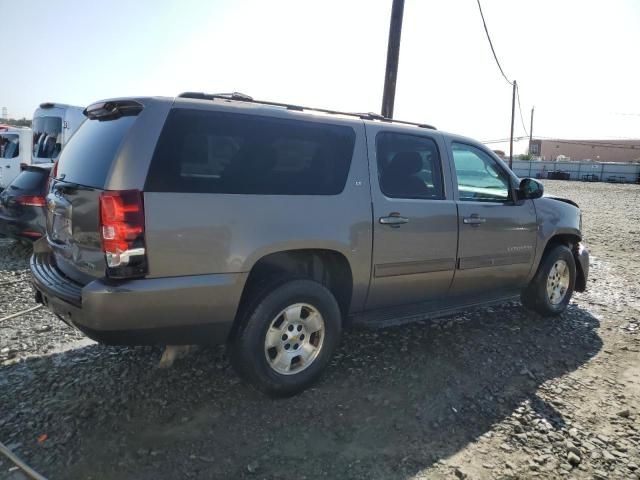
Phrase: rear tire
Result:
[286,337]
[551,288]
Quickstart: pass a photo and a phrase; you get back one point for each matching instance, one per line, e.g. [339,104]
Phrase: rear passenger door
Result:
[414,216]
[497,232]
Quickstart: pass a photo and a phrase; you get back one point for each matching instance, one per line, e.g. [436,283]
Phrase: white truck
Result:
[52,125]
[15,150]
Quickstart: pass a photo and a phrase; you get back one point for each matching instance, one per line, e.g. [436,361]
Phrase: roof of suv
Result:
[246,99]
[249,105]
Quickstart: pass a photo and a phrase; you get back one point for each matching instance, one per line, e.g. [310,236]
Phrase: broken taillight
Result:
[30,234]
[31,200]
[122,233]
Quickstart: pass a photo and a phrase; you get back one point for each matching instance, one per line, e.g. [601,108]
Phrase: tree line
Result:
[16,122]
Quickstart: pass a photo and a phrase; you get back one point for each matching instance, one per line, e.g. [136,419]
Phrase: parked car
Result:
[22,204]
[15,153]
[218,218]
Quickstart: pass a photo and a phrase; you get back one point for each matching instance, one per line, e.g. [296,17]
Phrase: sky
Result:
[575,60]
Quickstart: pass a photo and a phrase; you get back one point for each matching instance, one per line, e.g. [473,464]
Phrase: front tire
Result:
[551,288]
[287,337]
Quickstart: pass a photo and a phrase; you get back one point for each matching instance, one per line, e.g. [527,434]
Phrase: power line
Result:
[520,110]
[491,44]
[504,140]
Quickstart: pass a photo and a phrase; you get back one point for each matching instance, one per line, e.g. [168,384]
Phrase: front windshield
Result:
[46,137]
[9,145]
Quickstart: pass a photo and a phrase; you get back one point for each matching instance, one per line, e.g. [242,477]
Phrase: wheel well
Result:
[566,239]
[571,241]
[327,267]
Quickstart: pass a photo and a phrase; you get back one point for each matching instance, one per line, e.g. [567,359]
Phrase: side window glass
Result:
[9,146]
[408,166]
[214,152]
[479,176]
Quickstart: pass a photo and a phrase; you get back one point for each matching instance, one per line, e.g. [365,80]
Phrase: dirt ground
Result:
[492,393]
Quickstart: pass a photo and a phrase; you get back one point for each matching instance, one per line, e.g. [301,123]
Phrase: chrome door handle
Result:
[394,220]
[474,220]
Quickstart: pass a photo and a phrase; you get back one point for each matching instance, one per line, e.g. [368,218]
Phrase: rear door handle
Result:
[474,220]
[394,220]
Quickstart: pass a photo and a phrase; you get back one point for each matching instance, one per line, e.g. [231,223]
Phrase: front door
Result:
[497,233]
[414,217]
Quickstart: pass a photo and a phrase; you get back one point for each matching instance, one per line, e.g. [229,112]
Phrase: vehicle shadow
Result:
[393,402]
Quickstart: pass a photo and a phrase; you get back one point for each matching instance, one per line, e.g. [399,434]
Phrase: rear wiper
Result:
[63,186]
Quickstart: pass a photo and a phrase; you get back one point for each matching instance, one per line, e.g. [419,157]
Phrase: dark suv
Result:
[22,204]
[218,218]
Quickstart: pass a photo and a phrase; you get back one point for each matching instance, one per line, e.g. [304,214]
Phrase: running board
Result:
[402,314]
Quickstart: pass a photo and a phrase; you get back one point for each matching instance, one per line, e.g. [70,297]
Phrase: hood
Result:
[560,199]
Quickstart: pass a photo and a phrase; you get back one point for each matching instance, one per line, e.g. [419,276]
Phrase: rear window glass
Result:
[213,152]
[87,157]
[30,180]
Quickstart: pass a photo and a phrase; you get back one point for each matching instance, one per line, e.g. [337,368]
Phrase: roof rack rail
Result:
[241,97]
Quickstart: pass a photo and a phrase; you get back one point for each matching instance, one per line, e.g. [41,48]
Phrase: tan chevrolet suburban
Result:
[269,227]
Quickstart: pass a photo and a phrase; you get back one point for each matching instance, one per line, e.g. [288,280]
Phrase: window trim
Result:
[505,173]
[443,196]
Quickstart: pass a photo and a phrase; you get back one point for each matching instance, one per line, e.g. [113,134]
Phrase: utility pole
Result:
[393,55]
[531,130]
[513,112]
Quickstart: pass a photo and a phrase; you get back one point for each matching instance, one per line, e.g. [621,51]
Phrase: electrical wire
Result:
[30,472]
[491,45]
[520,110]
[514,84]
[14,315]
[504,140]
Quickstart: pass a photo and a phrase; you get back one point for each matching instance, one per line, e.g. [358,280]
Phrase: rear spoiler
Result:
[112,109]
[36,166]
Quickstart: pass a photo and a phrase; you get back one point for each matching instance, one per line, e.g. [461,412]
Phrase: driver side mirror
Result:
[530,189]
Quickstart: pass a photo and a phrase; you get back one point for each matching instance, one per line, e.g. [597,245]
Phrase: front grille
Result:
[52,281]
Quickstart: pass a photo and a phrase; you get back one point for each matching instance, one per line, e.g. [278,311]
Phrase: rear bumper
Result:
[581,254]
[23,227]
[196,309]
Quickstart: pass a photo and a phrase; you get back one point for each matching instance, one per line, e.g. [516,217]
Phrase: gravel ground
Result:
[493,393]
